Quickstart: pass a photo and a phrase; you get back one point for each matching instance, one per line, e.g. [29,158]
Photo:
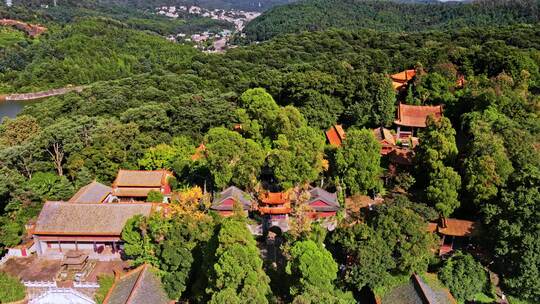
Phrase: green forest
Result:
[316,15]
[149,103]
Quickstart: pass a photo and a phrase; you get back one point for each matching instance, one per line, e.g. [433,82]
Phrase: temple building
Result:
[92,193]
[335,135]
[402,79]
[386,139]
[225,200]
[139,286]
[455,233]
[411,117]
[134,185]
[275,207]
[323,203]
[94,229]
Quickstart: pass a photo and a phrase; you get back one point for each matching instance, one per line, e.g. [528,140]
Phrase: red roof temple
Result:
[275,203]
[415,116]
[401,79]
[335,135]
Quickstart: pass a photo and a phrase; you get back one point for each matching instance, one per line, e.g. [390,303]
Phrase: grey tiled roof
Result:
[92,193]
[61,218]
[232,192]
[140,286]
[329,198]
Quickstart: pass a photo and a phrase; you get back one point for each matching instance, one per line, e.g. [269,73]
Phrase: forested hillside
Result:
[87,51]
[315,15]
[247,5]
[260,113]
[137,17]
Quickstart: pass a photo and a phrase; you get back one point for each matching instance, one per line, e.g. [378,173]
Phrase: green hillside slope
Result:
[313,15]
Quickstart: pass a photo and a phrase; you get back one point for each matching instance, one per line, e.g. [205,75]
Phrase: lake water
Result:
[10,109]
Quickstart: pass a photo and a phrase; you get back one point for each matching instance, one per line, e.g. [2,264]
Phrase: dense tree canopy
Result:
[237,275]
[394,241]
[358,162]
[255,117]
[11,289]
[402,16]
[233,159]
[464,276]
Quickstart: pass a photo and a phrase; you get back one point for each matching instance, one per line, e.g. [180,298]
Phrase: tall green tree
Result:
[404,231]
[382,98]
[487,166]
[437,143]
[513,222]
[394,241]
[443,189]
[358,162]
[464,276]
[372,257]
[237,275]
[298,157]
[171,244]
[232,159]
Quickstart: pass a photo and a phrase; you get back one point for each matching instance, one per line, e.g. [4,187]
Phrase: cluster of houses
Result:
[209,41]
[237,17]
[89,225]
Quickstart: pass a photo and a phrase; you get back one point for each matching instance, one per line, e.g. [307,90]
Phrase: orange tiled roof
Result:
[335,135]
[432,227]
[403,77]
[397,85]
[456,227]
[415,116]
[275,210]
[275,198]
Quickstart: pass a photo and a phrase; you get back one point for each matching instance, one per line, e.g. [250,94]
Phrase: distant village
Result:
[72,243]
[209,41]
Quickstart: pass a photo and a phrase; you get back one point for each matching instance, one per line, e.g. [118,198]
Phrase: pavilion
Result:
[411,117]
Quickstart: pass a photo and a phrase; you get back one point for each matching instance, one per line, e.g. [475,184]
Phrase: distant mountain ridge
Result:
[314,15]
